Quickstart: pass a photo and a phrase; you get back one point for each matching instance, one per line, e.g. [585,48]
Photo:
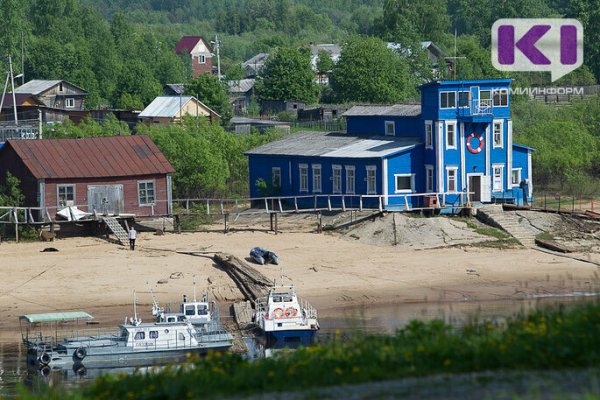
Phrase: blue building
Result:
[458,141]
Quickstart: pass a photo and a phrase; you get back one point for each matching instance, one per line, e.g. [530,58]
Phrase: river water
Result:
[366,318]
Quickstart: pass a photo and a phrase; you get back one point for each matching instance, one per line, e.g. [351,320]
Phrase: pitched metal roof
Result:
[241,85]
[56,316]
[335,144]
[37,86]
[187,43]
[100,157]
[178,88]
[20,99]
[169,106]
[395,110]
[334,49]
[257,60]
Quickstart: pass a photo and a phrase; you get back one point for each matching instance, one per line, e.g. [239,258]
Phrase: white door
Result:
[486,189]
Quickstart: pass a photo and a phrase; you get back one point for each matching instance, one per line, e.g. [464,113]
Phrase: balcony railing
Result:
[477,107]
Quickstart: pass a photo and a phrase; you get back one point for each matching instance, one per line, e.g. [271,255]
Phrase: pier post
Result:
[226,219]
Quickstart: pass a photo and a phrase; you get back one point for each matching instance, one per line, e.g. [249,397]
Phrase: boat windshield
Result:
[278,298]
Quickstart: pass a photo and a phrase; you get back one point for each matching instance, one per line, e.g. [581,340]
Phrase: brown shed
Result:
[115,175]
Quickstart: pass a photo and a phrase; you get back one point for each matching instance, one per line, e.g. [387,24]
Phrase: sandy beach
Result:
[329,270]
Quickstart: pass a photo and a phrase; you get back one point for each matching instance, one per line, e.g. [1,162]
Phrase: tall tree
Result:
[370,72]
[212,92]
[288,75]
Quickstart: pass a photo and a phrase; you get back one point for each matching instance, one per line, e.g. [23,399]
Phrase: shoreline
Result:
[331,272]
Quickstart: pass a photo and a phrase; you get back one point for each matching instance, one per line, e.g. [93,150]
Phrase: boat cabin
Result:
[158,335]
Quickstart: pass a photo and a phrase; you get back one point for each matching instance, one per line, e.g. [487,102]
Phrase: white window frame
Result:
[429,185]
[429,134]
[518,171]
[371,169]
[500,93]
[468,104]
[303,177]
[412,183]
[70,102]
[455,170]
[336,179]
[389,124]
[446,93]
[201,59]
[494,124]
[350,179]
[454,136]
[139,192]
[276,173]
[317,181]
[58,187]
[499,187]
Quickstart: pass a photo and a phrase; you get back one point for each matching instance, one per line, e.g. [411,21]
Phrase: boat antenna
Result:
[135,318]
[281,274]
[155,307]
[194,280]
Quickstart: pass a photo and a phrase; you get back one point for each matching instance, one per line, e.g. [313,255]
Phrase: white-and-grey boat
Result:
[134,343]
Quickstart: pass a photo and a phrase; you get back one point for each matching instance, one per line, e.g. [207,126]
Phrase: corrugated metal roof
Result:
[36,86]
[240,86]
[100,157]
[178,88]
[395,110]
[56,316]
[333,144]
[258,60]
[169,106]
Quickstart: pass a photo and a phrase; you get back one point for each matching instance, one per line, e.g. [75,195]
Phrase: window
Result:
[516,176]
[350,179]
[371,179]
[450,135]
[181,336]
[61,87]
[316,170]
[405,183]
[201,59]
[429,177]
[498,134]
[337,179]
[428,135]
[69,102]
[448,100]
[390,128]
[140,336]
[485,95]
[451,179]
[190,310]
[65,194]
[501,98]
[276,177]
[303,177]
[153,335]
[498,169]
[146,194]
[464,98]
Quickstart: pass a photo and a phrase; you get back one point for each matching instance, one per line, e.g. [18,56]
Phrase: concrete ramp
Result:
[508,221]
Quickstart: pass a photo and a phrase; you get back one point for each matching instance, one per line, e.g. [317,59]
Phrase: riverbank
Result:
[328,270]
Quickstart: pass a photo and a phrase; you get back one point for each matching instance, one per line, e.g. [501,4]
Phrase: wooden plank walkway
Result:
[242,312]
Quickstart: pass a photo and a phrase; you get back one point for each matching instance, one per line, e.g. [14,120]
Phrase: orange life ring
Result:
[291,312]
[278,313]
[477,149]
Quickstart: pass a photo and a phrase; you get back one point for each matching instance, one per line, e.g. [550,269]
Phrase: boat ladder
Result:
[116,228]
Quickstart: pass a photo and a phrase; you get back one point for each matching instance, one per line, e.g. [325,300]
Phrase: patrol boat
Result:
[135,342]
[284,318]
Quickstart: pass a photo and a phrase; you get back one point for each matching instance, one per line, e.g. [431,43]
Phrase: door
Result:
[475,187]
[474,99]
[486,189]
[105,199]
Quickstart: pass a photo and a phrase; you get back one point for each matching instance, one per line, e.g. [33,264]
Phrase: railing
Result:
[476,107]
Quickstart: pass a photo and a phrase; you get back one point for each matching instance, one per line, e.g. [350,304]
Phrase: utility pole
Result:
[217,44]
[12,83]
[22,60]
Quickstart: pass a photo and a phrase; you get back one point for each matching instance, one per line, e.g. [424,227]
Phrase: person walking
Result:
[132,237]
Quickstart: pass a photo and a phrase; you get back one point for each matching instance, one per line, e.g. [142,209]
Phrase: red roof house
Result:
[200,52]
[116,175]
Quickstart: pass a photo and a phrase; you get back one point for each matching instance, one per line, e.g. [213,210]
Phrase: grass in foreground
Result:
[543,340]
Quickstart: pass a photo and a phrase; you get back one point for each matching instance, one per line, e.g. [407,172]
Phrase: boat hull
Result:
[290,336]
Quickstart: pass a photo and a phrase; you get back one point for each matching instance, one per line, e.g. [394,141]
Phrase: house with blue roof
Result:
[455,147]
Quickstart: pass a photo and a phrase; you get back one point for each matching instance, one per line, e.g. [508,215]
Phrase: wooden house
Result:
[58,94]
[166,110]
[114,175]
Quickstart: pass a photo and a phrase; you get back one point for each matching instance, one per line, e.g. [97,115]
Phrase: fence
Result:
[559,202]
[334,125]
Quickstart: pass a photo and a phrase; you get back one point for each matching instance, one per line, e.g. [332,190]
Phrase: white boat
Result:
[284,318]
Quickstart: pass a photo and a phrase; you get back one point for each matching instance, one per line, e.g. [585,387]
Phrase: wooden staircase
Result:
[115,227]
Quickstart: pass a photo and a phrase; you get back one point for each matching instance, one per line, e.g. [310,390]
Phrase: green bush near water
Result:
[543,340]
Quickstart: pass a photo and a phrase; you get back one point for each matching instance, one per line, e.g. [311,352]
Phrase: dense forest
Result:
[121,51]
